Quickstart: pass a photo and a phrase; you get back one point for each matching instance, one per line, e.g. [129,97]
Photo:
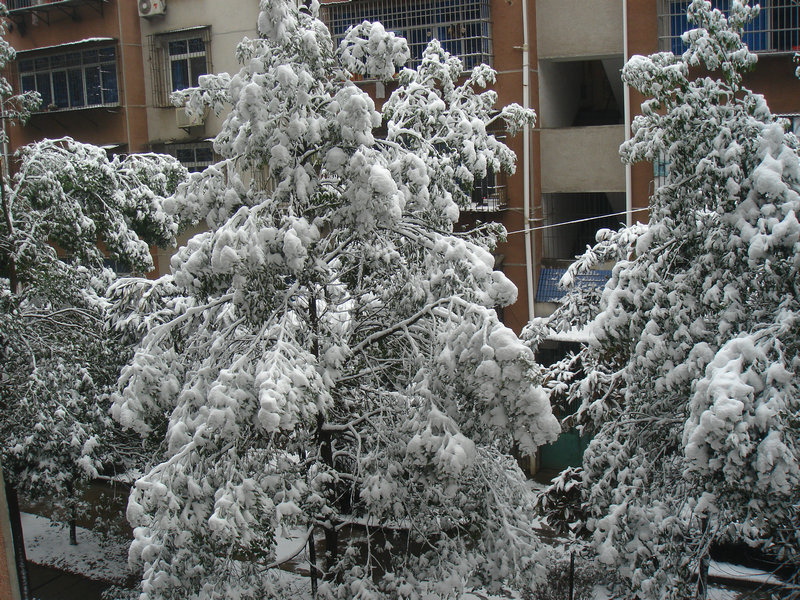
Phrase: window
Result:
[462,26]
[70,80]
[177,60]
[775,29]
[195,157]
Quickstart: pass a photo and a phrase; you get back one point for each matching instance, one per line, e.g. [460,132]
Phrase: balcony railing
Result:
[462,26]
[776,29]
[489,194]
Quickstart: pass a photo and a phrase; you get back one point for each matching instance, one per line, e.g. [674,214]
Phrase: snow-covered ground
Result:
[96,556]
[101,557]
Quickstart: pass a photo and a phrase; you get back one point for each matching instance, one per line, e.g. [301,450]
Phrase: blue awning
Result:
[549,290]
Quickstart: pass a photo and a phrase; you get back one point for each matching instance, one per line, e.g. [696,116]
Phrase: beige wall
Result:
[578,28]
[229,22]
[582,159]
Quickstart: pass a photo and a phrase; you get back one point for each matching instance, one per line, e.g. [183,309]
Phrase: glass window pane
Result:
[198,67]
[196,45]
[110,93]
[75,77]
[93,95]
[42,63]
[180,74]
[89,57]
[60,96]
[73,59]
[43,87]
[28,83]
[26,65]
[204,155]
[57,61]
[107,54]
[177,47]
[185,155]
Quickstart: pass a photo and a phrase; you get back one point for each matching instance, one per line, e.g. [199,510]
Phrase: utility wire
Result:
[540,227]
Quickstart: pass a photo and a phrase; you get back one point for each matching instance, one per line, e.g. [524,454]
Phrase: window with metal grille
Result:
[462,26]
[489,193]
[776,28]
[195,157]
[72,80]
[177,59]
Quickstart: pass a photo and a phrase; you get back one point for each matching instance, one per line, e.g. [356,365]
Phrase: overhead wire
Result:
[540,227]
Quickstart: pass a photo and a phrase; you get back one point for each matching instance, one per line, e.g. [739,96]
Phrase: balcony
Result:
[462,26]
[489,194]
[775,30]
[42,9]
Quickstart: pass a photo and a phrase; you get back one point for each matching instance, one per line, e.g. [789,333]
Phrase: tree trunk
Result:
[571,574]
[325,451]
[312,559]
[73,532]
[19,542]
[702,577]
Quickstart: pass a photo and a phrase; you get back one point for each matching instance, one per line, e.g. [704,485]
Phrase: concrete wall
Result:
[229,22]
[568,29]
[582,159]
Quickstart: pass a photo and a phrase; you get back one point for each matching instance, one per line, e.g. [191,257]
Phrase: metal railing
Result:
[489,194]
[462,26]
[776,29]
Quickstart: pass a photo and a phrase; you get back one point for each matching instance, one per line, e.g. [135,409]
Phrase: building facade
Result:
[84,57]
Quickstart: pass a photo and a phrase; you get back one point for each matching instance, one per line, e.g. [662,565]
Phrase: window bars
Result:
[177,59]
[73,79]
[462,26]
[489,193]
[775,29]
[194,156]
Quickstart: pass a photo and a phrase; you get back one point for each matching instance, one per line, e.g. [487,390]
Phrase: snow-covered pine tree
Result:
[332,368]
[694,400]
[58,360]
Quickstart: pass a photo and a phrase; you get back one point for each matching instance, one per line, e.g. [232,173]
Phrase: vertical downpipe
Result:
[123,79]
[627,109]
[526,161]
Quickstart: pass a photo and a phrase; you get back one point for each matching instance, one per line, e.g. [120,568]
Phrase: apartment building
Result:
[84,57]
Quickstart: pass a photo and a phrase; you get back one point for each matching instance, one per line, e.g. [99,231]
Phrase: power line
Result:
[540,227]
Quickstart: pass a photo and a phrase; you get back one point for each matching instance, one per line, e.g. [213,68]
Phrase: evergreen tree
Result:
[690,386]
[326,361]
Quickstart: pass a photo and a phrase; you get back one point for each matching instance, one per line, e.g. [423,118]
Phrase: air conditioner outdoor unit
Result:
[185,121]
[150,8]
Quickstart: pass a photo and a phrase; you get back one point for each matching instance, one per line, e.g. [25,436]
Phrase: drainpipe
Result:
[627,109]
[526,161]
[124,78]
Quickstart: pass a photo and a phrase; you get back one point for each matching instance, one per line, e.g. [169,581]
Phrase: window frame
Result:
[195,165]
[162,60]
[86,84]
